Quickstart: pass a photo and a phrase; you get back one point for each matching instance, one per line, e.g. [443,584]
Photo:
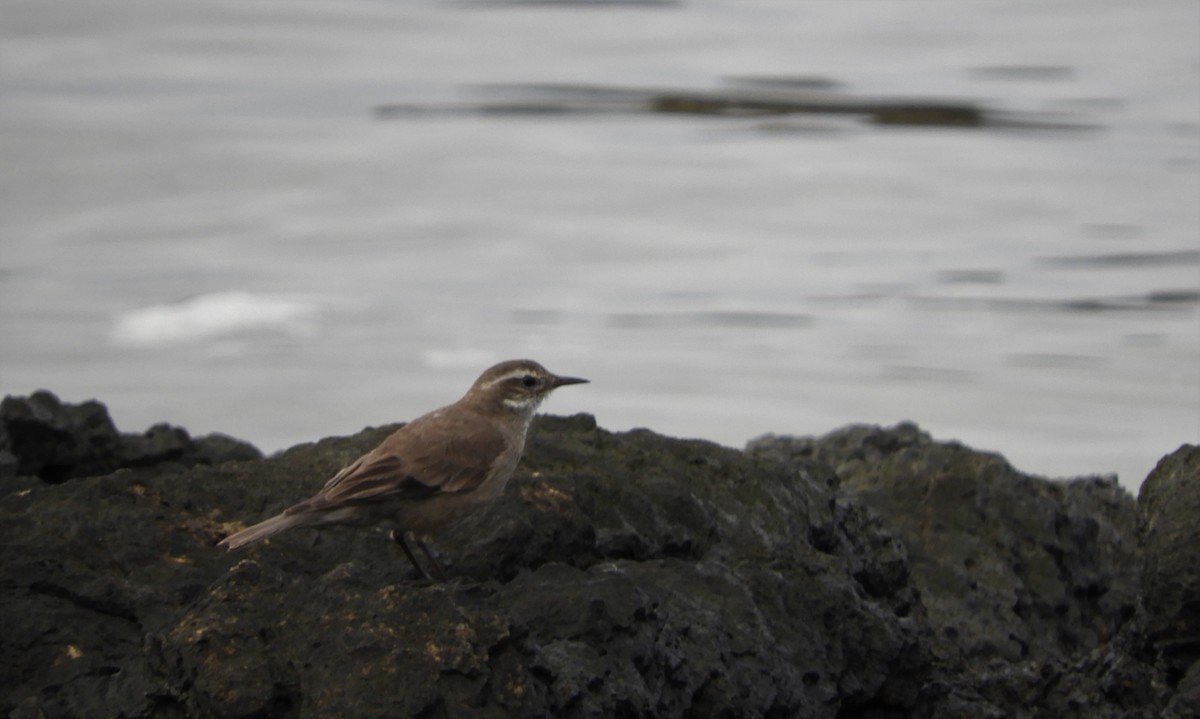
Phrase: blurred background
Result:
[285,220]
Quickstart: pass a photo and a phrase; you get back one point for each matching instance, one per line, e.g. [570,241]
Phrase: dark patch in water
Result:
[971,277]
[806,83]
[753,319]
[770,100]
[1128,259]
[1174,296]
[1026,73]
[1159,301]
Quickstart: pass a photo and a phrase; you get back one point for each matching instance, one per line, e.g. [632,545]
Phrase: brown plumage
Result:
[434,469]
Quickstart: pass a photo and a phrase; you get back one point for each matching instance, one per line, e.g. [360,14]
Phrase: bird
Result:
[432,471]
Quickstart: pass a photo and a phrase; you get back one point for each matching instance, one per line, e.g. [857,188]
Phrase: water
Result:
[204,220]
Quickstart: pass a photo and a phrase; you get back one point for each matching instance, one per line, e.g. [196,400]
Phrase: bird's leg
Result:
[398,537]
[432,560]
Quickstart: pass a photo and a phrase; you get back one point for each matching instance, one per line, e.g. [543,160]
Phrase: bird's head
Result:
[516,386]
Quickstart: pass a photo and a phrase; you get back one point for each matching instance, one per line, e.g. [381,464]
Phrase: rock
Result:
[1168,507]
[1026,582]
[869,573]
[56,441]
[1187,696]
[217,448]
[1009,566]
[40,436]
[620,574]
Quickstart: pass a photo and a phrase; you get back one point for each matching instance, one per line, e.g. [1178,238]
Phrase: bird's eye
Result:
[529,380]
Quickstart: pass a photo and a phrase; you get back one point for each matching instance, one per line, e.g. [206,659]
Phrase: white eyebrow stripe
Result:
[511,375]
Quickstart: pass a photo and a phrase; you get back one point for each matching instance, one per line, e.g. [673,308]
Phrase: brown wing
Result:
[432,455]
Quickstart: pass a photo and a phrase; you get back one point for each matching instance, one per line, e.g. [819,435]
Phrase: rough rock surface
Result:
[1046,568]
[1031,587]
[40,436]
[1168,513]
[869,573]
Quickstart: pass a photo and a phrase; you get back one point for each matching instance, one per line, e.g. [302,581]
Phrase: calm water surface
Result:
[204,220]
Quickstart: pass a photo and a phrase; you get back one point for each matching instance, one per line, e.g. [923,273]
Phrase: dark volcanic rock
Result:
[1026,582]
[627,575]
[1009,566]
[40,436]
[621,574]
[1169,505]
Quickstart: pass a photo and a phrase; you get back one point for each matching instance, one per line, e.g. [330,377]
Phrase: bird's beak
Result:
[560,381]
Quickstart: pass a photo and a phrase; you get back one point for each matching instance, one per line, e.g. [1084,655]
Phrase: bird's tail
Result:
[267,528]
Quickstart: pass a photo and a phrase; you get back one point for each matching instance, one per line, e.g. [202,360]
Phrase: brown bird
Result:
[433,470]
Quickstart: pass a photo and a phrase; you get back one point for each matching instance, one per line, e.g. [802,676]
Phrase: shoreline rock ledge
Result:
[869,573]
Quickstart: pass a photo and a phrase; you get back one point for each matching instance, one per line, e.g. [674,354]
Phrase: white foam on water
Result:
[213,316]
